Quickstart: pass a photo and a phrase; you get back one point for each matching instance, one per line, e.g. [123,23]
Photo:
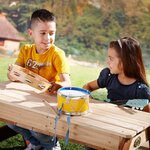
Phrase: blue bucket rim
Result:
[74,88]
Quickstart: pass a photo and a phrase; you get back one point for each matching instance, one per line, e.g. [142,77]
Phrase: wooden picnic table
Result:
[108,126]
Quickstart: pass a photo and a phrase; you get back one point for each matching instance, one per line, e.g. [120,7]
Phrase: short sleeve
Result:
[143,92]
[20,58]
[103,78]
[61,64]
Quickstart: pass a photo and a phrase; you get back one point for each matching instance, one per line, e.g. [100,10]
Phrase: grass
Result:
[4,62]
[148,75]
[79,76]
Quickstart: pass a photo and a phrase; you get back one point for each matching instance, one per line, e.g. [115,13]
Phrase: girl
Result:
[125,77]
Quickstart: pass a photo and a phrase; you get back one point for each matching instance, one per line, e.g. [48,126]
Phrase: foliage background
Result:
[85,27]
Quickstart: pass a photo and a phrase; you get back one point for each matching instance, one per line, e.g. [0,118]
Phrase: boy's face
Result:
[43,34]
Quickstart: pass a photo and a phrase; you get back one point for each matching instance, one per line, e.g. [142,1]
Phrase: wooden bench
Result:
[106,127]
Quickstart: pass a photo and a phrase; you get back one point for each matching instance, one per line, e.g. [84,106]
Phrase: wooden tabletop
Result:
[107,125]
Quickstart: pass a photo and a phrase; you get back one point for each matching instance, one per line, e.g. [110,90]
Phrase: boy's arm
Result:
[64,82]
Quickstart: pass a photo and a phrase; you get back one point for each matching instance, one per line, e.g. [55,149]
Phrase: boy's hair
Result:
[41,15]
[129,51]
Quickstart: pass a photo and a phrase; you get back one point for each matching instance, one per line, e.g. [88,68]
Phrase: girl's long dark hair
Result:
[130,53]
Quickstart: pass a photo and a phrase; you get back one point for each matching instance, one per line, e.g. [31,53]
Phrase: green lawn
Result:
[4,62]
[79,76]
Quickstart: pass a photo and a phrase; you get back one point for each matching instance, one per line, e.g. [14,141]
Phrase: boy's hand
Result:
[53,89]
[8,73]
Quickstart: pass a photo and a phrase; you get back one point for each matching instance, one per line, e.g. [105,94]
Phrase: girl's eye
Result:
[110,58]
[43,33]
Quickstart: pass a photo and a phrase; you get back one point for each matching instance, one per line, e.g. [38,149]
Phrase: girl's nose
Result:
[108,61]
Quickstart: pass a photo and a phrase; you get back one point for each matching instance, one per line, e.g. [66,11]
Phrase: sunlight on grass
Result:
[80,75]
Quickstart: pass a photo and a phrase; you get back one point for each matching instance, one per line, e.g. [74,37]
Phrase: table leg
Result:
[135,142]
[6,133]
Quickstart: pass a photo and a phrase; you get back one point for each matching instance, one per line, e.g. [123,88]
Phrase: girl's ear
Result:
[29,31]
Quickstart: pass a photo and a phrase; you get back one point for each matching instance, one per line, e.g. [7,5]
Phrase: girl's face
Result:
[43,34]
[114,62]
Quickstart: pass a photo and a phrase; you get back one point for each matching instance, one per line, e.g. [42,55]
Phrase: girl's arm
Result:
[91,86]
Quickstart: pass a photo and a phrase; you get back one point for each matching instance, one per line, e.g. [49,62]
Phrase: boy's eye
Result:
[51,33]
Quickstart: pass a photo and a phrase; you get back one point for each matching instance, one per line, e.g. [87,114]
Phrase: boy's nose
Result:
[48,37]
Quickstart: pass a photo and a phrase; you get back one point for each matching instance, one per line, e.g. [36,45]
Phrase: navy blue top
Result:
[118,91]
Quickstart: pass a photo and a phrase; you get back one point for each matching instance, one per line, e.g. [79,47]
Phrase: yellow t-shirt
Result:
[49,65]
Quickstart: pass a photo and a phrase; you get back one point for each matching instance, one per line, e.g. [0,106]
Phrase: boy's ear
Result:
[29,32]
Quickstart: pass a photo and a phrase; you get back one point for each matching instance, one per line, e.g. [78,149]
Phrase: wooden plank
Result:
[135,114]
[83,134]
[124,118]
[36,104]
[120,131]
[116,122]
[105,124]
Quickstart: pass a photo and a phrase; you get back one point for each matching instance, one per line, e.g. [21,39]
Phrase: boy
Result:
[47,60]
